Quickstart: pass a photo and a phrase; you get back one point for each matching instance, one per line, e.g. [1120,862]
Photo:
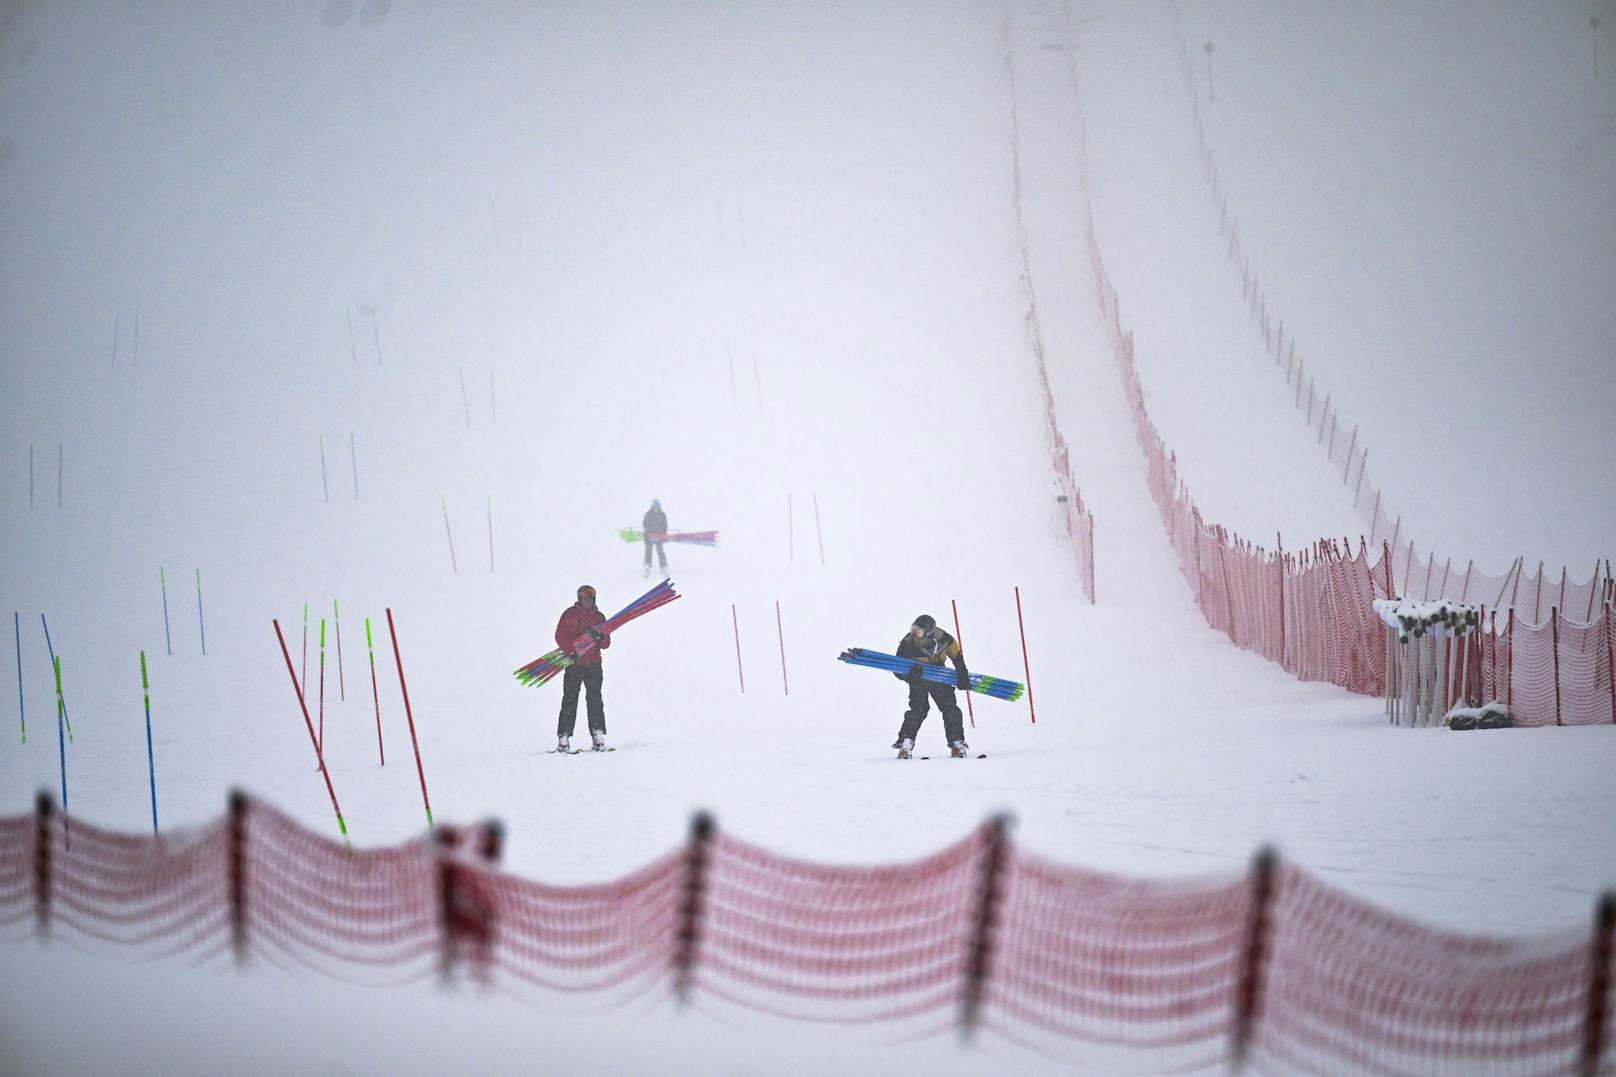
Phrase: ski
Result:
[984,755]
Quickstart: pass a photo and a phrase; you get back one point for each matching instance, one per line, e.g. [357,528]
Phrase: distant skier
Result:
[928,644]
[581,619]
[655,527]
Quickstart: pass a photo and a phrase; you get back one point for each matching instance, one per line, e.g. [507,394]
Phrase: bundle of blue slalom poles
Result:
[997,687]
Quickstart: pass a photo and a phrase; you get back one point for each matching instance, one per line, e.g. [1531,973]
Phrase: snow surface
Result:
[760,261]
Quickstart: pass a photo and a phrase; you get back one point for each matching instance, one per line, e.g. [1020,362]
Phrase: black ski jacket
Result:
[655,524]
[934,649]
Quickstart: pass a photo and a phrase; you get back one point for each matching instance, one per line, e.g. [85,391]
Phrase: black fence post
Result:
[1604,941]
[985,917]
[44,810]
[236,867]
[692,907]
[1254,958]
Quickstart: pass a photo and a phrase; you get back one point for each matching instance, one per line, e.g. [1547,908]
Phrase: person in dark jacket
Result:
[579,620]
[929,645]
[655,526]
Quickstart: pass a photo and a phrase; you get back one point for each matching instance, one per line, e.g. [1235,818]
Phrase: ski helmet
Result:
[655,504]
[925,622]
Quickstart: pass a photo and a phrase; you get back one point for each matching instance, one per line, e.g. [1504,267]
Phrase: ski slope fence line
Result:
[1418,574]
[1075,516]
[1312,611]
[1272,967]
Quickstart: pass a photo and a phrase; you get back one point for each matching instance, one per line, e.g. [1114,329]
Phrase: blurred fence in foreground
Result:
[1273,968]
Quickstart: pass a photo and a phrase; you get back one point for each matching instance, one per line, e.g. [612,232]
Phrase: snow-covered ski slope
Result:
[747,260]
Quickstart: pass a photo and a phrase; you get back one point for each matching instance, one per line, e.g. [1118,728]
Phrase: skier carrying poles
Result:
[655,527]
[581,619]
[929,645]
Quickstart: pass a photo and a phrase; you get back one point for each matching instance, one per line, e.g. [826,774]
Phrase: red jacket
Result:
[577,620]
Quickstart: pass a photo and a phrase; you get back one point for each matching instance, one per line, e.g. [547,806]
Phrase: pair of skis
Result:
[692,538]
[544,668]
[996,687]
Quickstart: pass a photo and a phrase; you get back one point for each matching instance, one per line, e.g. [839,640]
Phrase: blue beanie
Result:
[655,504]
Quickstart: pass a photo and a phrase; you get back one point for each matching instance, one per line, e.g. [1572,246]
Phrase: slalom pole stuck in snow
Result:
[318,755]
[325,487]
[61,748]
[410,718]
[16,624]
[791,531]
[336,618]
[201,625]
[453,563]
[51,651]
[168,640]
[304,680]
[818,534]
[151,765]
[370,648]
[322,687]
[959,637]
[490,532]
[353,460]
[1025,667]
[780,633]
[735,622]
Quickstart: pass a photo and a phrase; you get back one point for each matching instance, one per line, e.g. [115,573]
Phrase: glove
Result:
[962,681]
[595,634]
[916,674]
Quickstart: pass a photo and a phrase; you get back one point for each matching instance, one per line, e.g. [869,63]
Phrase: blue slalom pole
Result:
[151,765]
[52,651]
[61,752]
[201,625]
[167,639]
[16,624]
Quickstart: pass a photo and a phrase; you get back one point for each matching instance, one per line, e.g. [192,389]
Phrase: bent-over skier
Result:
[929,645]
[581,619]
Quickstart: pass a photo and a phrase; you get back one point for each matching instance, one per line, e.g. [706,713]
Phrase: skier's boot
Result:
[647,572]
[563,745]
[958,749]
[597,739]
[906,749]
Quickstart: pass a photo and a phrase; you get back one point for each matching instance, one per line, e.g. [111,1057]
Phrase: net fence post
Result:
[1254,956]
[692,905]
[1604,941]
[44,811]
[985,916]
[236,866]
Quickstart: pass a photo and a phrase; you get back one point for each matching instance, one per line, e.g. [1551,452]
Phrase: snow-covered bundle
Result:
[1494,715]
[1414,619]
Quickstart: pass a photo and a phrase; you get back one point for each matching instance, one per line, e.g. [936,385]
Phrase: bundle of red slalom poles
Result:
[542,669]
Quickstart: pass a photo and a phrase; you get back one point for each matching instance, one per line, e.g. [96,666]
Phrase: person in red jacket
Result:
[579,620]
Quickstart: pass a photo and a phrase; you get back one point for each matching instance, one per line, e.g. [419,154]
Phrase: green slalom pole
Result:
[151,766]
[303,681]
[336,620]
[61,749]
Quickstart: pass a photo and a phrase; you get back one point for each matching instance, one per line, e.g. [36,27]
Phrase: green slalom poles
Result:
[307,724]
[52,652]
[151,765]
[370,648]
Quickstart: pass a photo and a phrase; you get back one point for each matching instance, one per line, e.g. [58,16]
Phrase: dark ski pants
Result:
[662,558]
[587,677]
[943,696]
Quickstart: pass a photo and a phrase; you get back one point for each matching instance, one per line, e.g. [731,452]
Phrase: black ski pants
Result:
[920,697]
[662,558]
[587,677]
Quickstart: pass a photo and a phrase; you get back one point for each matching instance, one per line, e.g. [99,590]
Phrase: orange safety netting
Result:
[1272,966]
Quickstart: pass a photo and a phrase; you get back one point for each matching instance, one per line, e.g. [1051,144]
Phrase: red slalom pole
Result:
[737,624]
[309,725]
[1024,666]
[322,686]
[409,717]
[959,638]
[781,634]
